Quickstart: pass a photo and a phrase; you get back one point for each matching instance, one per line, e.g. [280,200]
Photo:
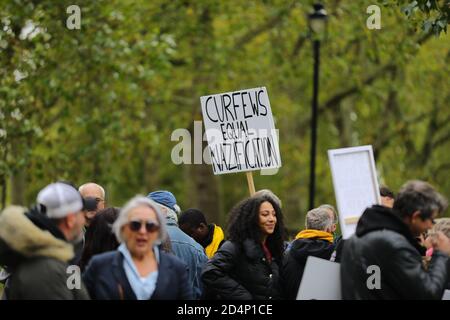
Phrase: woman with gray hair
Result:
[138,270]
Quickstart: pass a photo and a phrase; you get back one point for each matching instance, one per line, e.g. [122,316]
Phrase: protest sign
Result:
[321,280]
[240,132]
[355,184]
[446,295]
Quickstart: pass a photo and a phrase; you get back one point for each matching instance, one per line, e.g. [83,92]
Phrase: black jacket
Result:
[384,240]
[105,278]
[295,260]
[241,272]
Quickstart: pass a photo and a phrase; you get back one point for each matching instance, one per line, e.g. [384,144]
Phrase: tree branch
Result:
[332,102]
[427,146]
[269,24]
[383,138]
[298,45]
[442,167]
[441,140]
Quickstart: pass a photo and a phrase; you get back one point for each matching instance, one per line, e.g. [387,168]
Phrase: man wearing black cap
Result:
[35,247]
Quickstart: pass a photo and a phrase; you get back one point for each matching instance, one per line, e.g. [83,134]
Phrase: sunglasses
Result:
[136,225]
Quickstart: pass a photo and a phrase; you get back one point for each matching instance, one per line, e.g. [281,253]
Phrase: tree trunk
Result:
[4,190]
[18,188]
[207,193]
[205,188]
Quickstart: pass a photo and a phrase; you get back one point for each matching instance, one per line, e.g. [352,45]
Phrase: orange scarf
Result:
[317,234]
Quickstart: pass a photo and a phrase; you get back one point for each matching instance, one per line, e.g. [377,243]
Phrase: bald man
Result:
[93,191]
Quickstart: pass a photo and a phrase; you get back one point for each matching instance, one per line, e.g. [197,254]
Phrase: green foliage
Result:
[101,103]
[433,14]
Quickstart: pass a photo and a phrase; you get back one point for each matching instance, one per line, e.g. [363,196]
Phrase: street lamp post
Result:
[317,26]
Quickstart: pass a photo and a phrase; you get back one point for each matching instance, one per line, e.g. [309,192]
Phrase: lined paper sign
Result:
[355,184]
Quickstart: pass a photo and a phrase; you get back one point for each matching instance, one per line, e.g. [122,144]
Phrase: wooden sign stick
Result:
[251,184]
[351,220]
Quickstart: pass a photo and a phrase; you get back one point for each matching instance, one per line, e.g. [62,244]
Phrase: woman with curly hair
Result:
[246,267]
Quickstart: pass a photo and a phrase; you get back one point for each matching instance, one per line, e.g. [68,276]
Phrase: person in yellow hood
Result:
[210,236]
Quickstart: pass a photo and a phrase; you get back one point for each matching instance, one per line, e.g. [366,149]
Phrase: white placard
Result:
[240,131]
[355,184]
[321,280]
[446,295]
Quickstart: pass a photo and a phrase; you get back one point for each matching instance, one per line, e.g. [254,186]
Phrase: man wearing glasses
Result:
[94,195]
[93,202]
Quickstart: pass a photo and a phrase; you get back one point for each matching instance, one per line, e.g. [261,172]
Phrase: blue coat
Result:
[105,278]
[188,251]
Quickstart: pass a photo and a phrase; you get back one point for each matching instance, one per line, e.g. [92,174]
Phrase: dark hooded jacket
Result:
[295,260]
[241,272]
[383,240]
[36,255]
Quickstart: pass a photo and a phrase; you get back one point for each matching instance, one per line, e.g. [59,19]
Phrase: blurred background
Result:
[100,103]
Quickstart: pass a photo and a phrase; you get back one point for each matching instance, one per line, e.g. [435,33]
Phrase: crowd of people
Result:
[150,249]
